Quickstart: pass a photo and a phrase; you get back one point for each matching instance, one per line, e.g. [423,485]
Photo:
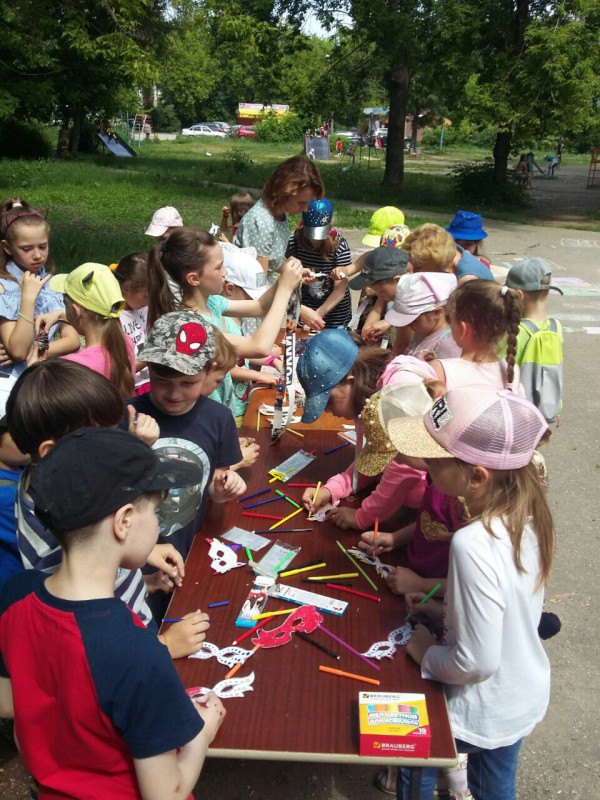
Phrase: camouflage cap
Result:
[181,340]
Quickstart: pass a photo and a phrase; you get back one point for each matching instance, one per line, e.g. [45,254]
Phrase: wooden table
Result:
[295,712]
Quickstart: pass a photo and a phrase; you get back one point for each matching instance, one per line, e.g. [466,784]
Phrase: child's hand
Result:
[250,452]
[385,542]
[159,582]
[226,485]
[225,211]
[143,426]
[290,274]
[48,320]
[32,285]
[5,359]
[376,331]
[312,318]
[267,379]
[168,559]
[420,642]
[212,711]
[343,517]
[276,350]
[185,637]
[312,503]
[338,274]
[403,580]
[432,611]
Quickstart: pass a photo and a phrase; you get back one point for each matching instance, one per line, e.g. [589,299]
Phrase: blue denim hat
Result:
[467,226]
[327,359]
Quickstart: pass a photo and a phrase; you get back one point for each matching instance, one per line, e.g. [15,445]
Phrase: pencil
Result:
[333,577]
[314,643]
[268,614]
[337,447]
[351,675]
[356,564]
[260,516]
[289,572]
[285,519]
[353,591]
[427,597]
[250,496]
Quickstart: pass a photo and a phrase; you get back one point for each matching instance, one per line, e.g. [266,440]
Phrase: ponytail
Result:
[161,299]
[113,342]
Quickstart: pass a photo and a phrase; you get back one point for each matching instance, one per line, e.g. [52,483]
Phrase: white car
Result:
[202,130]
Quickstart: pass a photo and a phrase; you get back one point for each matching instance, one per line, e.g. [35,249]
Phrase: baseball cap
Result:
[180,340]
[316,220]
[394,236]
[92,472]
[481,425]
[398,400]
[243,270]
[326,360]
[380,221]
[416,294]
[381,264]
[468,226]
[92,286]
[528,275]
[163,219]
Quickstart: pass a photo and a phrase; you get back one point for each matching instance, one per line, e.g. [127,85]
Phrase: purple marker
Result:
[220,603]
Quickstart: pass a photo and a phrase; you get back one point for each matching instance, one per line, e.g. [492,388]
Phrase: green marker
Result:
[289,499]
[427,597]
[249,554]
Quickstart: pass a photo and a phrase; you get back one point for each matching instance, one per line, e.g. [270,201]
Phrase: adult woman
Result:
[289,190]
[339,376]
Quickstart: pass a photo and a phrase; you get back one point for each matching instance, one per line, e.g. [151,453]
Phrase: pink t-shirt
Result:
[98,359]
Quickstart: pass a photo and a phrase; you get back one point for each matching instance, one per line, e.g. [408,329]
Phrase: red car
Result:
[246,132]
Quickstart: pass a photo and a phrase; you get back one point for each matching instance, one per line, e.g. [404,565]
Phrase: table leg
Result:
[414,786]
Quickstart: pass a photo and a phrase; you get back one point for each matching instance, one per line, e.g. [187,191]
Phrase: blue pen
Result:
[333,449]
[250,496]
[220,603]
[176,619]
[262,503]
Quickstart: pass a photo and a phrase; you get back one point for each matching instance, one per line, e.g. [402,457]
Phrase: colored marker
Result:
[250,496]
[258,420]
[314,643]
[289,572]
[330,577]
[286,530]
[427,597]
[289,499]
[172,619]
[262,503]
[220,603]
[275,613]
[285,519]
[296,433]
[261,516]
[375,532]
[353,591]
[349,647]
[251,631]
[351,675]
[301,485]
[309,563]
[237,667]
[249,554]
[284,562]
[356,564]
[337,447]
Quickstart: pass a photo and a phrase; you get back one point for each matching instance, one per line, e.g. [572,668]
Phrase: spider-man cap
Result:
[181,340]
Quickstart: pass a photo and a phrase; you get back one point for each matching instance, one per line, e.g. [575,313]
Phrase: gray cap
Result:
[531,275]
[181,340]
[381,264]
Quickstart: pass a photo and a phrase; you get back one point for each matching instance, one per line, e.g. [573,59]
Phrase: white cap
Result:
[163,219]
[243,270]
[419,293]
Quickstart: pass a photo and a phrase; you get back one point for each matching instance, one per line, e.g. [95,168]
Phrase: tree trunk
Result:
[76,135]
[501,153]
[415,129]
[394,160]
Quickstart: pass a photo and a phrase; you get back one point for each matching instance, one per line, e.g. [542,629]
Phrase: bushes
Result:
[165,120]
[284,128]
[24,140]
[474,183]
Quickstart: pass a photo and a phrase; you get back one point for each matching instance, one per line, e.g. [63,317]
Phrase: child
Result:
[194,260]
[50,400]
[93,304]
[339,376]
[132,274]
[480,314]
[320,248]
[11,463]
[163,223]
[539,342]
[239,204]
[77,667]
[431,249]
[179,351]
[24,290]
[522,171]
[420,305]
[467,231]
[490,656]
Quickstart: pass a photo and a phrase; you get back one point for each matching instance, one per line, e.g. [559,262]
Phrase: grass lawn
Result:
[100,205]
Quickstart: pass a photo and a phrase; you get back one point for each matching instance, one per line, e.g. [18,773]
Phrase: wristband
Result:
[30,321]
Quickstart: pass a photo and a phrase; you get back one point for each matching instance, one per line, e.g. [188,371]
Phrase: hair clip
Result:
[504,291]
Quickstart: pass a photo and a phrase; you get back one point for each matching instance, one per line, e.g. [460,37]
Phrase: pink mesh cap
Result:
[481,425]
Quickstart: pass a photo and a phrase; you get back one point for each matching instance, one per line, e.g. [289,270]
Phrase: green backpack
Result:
[541,367]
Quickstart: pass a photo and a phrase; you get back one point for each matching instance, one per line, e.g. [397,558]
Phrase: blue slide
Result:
[116,145]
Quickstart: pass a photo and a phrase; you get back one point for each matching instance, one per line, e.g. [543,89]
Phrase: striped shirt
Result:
[314,294]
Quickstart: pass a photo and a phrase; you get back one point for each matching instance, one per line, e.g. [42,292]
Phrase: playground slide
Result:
[116,145]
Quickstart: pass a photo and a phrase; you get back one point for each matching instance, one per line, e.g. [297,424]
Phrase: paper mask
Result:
[398,637]
[305,619]
[223,558]
[225,689]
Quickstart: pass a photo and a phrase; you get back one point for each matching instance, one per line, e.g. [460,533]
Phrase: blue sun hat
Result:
[316,220]
[468,226]
[327,359]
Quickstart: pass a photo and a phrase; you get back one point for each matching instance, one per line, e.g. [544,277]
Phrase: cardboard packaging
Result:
[393,724]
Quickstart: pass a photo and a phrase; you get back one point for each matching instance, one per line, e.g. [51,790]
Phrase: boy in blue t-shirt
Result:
[76,665]
[180,351]
[11,460]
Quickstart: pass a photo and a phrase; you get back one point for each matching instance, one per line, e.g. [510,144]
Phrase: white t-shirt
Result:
[135,324]
[494,667]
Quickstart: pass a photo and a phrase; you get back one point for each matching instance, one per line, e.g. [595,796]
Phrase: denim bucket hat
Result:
[327,359]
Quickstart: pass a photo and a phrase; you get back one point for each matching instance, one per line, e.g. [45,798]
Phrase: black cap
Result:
[381,264]
[92,472]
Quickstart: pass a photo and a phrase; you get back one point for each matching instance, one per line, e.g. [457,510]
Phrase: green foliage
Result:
[431,137]
[239,161]
[474,184]
[164,119]
[24,140]
[279,128]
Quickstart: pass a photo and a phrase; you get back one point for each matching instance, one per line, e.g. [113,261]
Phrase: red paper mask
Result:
[305,619]
[191,338]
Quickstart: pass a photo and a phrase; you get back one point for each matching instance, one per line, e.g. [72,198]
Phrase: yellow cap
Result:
[92,286]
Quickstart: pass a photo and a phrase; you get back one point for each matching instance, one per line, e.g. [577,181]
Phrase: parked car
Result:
[202,130]
[222,126]
[246,132]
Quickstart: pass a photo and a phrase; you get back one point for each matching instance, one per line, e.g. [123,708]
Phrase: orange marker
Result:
[237,667]
[351,675]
